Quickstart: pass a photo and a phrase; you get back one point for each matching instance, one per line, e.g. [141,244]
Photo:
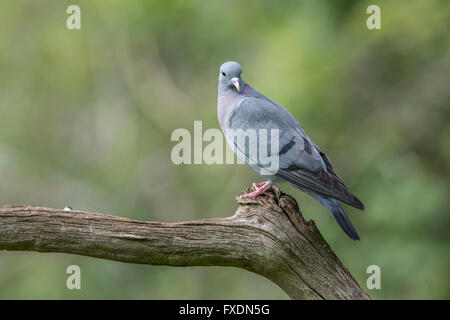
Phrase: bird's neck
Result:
[225,90]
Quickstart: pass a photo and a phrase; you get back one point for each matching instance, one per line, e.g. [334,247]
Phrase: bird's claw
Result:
[262,189]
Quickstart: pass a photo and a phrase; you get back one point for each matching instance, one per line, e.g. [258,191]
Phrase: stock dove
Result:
[300,160]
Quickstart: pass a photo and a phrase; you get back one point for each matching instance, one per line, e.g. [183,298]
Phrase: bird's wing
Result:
[256,113]
[321,182]
[301,162]
[324,181]
[329,167]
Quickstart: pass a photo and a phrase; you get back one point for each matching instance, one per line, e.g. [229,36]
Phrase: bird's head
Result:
[230,77]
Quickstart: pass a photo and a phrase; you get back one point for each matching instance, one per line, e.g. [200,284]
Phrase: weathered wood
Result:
[262,237]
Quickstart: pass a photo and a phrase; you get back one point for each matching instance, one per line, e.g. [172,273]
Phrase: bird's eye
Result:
[223,73]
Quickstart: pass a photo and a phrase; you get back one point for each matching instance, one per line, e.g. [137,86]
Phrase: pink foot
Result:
[257,185]
[261,188]
[267,192]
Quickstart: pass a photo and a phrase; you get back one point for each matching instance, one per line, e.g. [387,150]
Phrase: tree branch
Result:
[262,237]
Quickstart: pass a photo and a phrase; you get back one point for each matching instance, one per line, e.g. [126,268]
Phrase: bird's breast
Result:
[225,104]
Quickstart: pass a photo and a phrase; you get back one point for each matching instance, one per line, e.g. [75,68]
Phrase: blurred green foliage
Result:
[86,117]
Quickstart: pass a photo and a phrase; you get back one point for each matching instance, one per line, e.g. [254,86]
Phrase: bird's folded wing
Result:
[301,162]
[260,113]
[322,182]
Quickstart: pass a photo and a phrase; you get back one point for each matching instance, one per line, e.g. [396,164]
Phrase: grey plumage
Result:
[301,162]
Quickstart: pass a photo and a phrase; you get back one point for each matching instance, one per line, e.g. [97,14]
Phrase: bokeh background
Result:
[86,118]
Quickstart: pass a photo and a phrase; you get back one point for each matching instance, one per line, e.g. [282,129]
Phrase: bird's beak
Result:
[235,82]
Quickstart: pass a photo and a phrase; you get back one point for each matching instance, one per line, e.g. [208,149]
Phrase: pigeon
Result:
[300,161]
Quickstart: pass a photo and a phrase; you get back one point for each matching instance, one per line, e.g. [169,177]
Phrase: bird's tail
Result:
[342,219]
[333,206]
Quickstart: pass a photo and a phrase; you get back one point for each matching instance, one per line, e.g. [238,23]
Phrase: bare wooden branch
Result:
[262,237]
